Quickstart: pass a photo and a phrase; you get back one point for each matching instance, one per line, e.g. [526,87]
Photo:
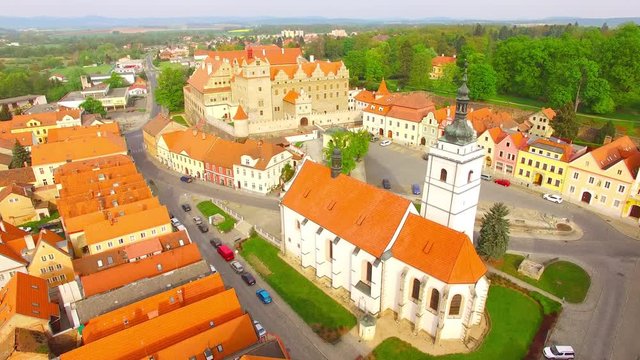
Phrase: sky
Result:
[369,9]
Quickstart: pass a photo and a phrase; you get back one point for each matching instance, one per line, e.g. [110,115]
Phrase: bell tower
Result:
[452,182]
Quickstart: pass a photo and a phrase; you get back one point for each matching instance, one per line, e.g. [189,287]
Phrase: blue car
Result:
[264,296]
[415,189]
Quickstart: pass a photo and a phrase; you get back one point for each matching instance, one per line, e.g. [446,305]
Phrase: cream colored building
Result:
[539,123]
[259,79]
[51,260]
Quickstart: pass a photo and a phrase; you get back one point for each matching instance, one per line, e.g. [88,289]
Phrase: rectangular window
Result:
[520,172]
[522,160]
[607,184]
[557,183]
[575,175]
[621,188]
[528,173]
[572,189]
[415,291]
[98,247]
[153,231]
[110,244]
[537,164]
[143,235]
[616,203]
[544,167]
[560,171]
[530,162]
[369,272]
[591,179]
[603,199]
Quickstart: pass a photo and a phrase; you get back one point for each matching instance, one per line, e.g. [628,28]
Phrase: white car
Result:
[559,352]
[385,142]
[27,229]
[237,267]
[553,198]
[175,222]
[260,329]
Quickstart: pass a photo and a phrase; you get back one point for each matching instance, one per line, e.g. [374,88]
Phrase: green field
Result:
[166,64]
[180,120]
[207,208]
[562,278]
[325,316]
[515,319]
[66,71]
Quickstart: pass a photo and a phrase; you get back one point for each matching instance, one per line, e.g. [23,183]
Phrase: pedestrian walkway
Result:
[524,284]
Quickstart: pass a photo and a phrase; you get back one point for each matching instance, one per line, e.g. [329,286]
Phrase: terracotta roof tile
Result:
[549,113]
[142,248]
[365,96]
[382,89]
[24,138]
[124,274]
[77,149]
[228,153]
[88,264]
[28,296]
[240,114]
[151,307]
[9,253]
[126,224]
[74,132]
[497,134]
[438,251]
[442,60]
[194,143]
[155,125]
[45,119]
[137,342]
[291,97]
[9,232]
[81,222]
[565,149]
[621,149]
[360,213]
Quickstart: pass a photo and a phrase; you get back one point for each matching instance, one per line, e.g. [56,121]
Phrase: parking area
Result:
[402,166]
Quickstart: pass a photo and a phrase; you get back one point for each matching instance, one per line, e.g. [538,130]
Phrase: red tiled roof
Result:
[9,232]
[240,114]
[74,132]
[442,60]
[124,274]
[360,213]
[45,119]
[155,125]
[137,342]
[621,149]
[438,251]
[142,248]
[9,253]
[291,96]
[151,307]
[549,113]
[28,296]
[382,89]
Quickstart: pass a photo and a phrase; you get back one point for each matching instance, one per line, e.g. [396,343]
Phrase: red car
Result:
[503,182]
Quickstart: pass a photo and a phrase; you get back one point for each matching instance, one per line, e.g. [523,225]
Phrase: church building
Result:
[375,244]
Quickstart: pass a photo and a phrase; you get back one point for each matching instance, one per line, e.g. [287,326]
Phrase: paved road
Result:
[601,328]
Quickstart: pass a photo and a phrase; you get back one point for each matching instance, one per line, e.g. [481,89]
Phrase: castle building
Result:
[270,83]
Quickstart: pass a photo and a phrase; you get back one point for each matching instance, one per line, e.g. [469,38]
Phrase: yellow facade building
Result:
[603,178]
[544,163]
[40,124]
[51,260]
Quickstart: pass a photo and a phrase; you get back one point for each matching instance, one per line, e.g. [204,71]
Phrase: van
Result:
[559,352]
[225,252]
[486,177]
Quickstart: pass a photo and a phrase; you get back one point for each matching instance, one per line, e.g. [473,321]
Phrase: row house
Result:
[603,178]
[154,128]
[506,152]
[372,243]
[544,163]
[40,124]
[539,123]
[185,151]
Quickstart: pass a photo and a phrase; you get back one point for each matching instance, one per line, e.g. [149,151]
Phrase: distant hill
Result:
[97,22]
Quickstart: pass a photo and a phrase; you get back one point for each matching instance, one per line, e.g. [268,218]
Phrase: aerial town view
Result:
[346,180]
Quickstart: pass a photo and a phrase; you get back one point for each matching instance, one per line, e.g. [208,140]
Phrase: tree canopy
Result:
[565,125]
[608,129]
[115,81]
[494,232]
[20,156]
[5,114]
[353,145]
[169,92]
[93,106]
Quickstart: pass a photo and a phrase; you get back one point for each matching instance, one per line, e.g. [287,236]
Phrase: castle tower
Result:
[452,182]
[241,124]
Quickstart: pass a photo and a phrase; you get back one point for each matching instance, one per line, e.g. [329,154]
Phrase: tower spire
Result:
[459,132]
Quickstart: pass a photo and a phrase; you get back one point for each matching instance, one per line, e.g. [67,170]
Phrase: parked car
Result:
[215,242]
[203,228]
[374,138]
[415,189]
[259,328]
[386,184]
[186,207]
[225,252]
[175,222]
[553,198]
[186,178]
[486,177]
[197,220]
[503,182]
[386,142]
[248,278]
[264,296]
[27,228]
[213,269]
[236,266]
[559,352]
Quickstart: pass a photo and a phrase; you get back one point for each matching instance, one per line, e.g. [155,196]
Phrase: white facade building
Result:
[452,183]
[374,244]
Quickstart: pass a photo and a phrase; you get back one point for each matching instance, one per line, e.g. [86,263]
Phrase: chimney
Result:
[264,52]
[250,53]
[282,50]
[448,112]
[607,140]
[204,136]
[312,58]
[28,240]
[209,68]
[195,132]
[336,163]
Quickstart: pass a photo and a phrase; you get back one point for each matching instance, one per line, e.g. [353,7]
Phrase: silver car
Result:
[237,267]
[259,329]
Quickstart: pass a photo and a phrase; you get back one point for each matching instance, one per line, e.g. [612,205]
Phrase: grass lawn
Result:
[562,278]
[326,316]
[100,69]
[515,318]
[207,208]
[35,225]
[180,120]
[166,64]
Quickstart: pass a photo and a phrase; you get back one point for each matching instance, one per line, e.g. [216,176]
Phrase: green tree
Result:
[341,140]
[494,232]
[287,173]
[5,114]
[20,156]
[419,75]
[115,81]
[359,142]
[565,125]
[169,92]
[607,129]
[405,61]
[482,78]
[93,106]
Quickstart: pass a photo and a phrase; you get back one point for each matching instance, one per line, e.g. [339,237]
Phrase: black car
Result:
[186,207]
[248,278]
[386,184]
[187,179]
[203,228]
[215,242]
